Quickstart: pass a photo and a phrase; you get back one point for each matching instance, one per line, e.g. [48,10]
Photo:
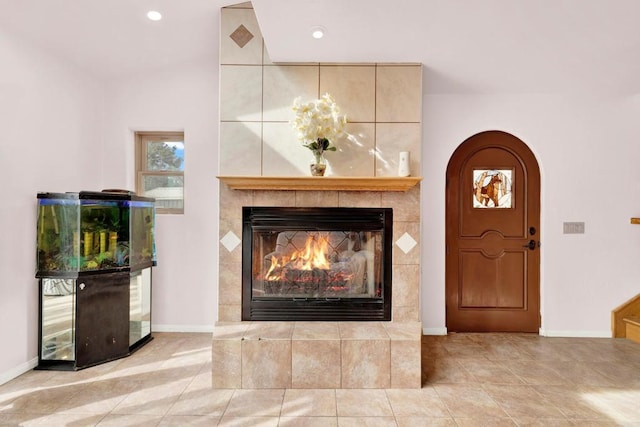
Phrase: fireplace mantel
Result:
[324,183]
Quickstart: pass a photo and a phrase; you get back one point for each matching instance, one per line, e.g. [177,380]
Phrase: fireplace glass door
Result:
[316,264]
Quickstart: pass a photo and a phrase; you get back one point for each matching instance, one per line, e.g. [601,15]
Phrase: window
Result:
[160,169]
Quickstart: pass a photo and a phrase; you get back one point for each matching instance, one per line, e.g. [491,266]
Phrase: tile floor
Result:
[468,380]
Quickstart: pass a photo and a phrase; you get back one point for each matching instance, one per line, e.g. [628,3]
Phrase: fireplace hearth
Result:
[316,264]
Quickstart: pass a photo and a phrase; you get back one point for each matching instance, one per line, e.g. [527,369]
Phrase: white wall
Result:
[63,130]
[587,148]
[51,131]
[181,98]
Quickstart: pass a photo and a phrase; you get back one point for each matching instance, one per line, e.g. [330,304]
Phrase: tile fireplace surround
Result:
[383,104]
[319,354]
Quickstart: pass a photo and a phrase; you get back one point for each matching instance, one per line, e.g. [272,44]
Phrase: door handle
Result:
[531,245]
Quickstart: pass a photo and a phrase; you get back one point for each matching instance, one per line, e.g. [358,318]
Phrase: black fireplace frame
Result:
[255,218]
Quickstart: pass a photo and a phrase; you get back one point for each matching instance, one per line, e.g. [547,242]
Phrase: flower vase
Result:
[319,166]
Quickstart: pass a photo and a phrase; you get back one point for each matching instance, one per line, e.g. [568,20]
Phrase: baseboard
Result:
[576,334]
[434,331]
[5,377]
[182,328]
[542,332]
[425,331]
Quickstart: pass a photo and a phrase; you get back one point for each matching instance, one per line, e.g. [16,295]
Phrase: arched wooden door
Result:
[493,236]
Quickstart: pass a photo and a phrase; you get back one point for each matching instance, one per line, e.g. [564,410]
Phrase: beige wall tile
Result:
[404,331]
[399,93]
[360,199]
[269,331]
[391,139]
[316,331]
[233,223]
[225,364]
[230,51]
[283,154]
[230,284]
[413,256]
[284,83]
[406,285]
[390,91]
[240,93]
[266,364]
[232,220]
[406,314]
[233,257]
[355,155]
[362,331]
[229,313]
[274,198]
[315,364]
[325,199]
[231,202]
[366,364]
[353,88]
[406,369]
[406,205]
[241,149]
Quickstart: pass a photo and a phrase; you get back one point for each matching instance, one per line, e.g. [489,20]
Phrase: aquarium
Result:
[142,226]
[94,231]
[95,251]
[58,239]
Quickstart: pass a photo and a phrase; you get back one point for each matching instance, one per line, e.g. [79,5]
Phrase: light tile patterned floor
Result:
[468,380]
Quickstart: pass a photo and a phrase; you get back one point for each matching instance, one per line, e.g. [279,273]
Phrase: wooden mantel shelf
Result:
[322,183]
[635,220]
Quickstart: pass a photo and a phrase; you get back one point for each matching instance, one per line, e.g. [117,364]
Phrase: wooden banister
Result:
[629,308]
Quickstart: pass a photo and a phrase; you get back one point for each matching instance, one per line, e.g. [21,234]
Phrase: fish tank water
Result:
[93,232]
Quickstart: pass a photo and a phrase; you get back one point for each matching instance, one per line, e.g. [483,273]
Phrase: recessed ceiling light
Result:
[154,15]
[318,32]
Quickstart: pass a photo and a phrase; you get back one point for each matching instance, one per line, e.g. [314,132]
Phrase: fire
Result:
[312,256]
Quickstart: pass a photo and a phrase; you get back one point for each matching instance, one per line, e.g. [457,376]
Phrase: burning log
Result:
[316,282]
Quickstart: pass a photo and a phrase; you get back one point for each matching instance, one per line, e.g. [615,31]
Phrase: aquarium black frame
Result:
[257,218]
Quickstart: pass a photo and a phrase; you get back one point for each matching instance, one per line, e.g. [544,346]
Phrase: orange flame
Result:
[312,256]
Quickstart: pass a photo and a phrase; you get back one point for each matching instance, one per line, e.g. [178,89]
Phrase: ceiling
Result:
[114,38]
[466,46]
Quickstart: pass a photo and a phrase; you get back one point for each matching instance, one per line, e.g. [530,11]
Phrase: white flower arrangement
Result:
[317,123]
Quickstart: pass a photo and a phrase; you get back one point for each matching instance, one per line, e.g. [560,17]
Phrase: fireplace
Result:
[316,263]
